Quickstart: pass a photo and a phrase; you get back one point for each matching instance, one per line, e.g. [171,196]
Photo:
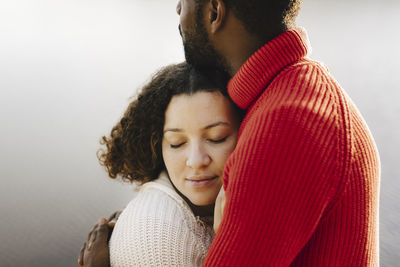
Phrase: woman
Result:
[174,140]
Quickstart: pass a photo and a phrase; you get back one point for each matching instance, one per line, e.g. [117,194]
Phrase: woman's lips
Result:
[201,180]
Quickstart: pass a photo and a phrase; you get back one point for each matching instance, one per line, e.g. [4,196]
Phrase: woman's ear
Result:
[216,14]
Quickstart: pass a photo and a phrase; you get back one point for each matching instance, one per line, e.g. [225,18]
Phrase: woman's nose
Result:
[198,158]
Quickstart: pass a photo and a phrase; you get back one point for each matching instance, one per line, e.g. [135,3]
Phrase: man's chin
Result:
[196,62]
[206,59]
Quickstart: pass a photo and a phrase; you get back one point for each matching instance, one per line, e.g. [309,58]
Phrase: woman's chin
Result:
[202,202]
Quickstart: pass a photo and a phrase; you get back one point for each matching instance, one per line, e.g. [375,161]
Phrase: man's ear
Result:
[216,14]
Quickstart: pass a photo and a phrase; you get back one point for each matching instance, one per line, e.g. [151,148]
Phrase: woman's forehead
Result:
[201,108]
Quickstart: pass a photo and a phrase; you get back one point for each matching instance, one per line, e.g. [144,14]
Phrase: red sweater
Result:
[302,185]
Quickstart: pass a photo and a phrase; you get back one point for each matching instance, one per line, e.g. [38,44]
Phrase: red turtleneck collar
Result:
[259,70]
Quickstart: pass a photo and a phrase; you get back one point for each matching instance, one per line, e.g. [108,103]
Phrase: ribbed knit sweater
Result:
[302,184]
[158,228]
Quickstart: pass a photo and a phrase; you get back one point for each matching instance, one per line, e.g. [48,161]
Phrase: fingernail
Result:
[89,247]
[102,221]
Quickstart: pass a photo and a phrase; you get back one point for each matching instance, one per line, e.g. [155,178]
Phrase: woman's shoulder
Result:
[157,200]
[164,187]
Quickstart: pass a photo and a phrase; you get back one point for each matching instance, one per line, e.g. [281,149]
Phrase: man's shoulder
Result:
[305,73]
[302,96]
[300,85]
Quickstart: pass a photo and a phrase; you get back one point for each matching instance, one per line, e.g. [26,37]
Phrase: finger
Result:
[217,209]
[92,238]
[112,216]
[81,253]
[111,224]
[118,214]
[220,198]
[221,193]
[102,233]
[115,215]
[223,199]
[90,233]
[85,245]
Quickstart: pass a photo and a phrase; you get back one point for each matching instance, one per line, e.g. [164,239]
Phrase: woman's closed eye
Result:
[217,141]
[177,145]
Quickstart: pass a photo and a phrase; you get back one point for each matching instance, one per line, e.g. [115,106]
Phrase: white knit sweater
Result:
[157,228]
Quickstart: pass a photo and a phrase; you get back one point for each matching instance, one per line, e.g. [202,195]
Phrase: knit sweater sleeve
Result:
[279,182]
[155,231]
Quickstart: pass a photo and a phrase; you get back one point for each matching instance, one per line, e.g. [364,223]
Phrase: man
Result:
[302,185]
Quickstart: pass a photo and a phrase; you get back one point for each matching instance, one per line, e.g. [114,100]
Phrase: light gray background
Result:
[68,68]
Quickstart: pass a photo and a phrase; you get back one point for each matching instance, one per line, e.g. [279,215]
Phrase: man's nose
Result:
[178,8]
[198,157]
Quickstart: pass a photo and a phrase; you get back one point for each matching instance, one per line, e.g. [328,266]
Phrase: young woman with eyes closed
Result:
[174,140]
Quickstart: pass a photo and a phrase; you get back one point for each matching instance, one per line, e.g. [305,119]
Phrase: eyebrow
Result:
[220,123]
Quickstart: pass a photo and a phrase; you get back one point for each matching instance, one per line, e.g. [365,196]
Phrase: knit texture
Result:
[302,185]
[157,228]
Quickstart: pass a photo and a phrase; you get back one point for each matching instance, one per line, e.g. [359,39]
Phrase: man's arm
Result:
[280,180]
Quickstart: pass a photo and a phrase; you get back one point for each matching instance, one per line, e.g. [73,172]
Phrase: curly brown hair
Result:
[133,150]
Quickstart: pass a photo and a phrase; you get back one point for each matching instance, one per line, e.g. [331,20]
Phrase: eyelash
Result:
[176,146]
[211,140]
[219,140]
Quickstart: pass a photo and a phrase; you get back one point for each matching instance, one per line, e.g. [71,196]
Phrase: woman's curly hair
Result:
[133,149]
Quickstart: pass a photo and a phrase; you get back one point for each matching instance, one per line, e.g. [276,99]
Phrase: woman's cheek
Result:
[174,160]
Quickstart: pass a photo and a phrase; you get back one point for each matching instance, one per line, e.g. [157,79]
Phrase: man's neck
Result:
[238,54]
[236,61]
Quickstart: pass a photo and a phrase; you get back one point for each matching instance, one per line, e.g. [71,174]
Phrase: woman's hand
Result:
[219,208]
[95,251]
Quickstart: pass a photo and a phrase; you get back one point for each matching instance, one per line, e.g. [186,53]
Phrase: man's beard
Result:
[199,51]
